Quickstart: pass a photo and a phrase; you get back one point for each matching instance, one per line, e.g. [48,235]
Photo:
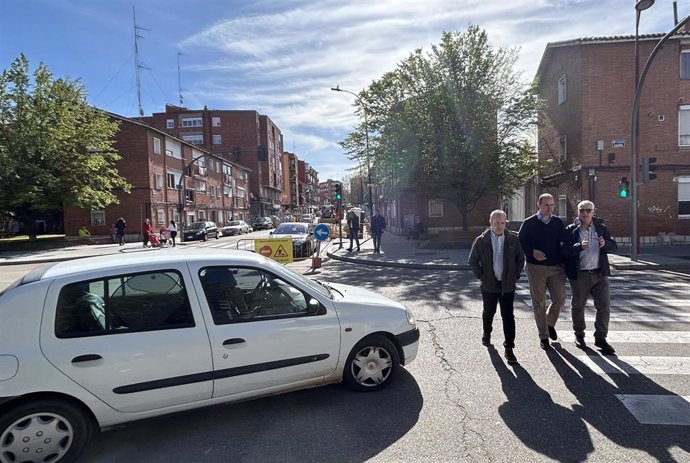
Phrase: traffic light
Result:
[623,188]
[648,167]
[338,192]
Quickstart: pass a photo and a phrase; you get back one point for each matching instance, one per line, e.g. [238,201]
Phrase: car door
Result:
[135,340]
[261,333]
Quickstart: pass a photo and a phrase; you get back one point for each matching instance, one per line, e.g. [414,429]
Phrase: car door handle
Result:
[86,358]
[227,342]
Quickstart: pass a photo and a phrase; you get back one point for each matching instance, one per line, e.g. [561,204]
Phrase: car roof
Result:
[125,260]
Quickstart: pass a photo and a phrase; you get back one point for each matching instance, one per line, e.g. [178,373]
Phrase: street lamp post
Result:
[366,138]
[641,5]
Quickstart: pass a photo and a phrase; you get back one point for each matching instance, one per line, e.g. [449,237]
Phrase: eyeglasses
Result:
[586,210]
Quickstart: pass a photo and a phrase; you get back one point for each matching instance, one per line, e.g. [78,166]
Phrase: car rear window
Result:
[123,304]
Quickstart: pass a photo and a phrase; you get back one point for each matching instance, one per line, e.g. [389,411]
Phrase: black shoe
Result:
[349,250]
[552,333]
[605,347]
[544,344]
[357,249]
[486,339]
[510,357]
[580,342]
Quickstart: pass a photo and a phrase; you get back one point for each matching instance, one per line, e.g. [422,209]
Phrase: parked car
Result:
[306,218]
[276,220]
[102,341]
[303,241]
[201,231]
[262,223]
[235,227]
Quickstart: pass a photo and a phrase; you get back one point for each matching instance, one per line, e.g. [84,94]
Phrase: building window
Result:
[684,125]
[563,207]
[215,121]
[158,182]
[194,139]
[200,185]
[156,145]
[202,215]
[227,191]
[562,89]
[160,216]
[191,122]
[685,64]
[217,140]
[562,148]
[435,207]
[174,179]
[684,197]
[173,148]
[97,217]
[170,123]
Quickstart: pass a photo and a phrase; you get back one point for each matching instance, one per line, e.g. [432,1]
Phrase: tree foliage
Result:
[55,149]
[451,122]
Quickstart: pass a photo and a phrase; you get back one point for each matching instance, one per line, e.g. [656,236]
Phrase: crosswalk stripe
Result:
[637,365]
[617,337]
[658,409]
[634,317]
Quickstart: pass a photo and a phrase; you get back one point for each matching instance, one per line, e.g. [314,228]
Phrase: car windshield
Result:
[260,219]
[290,229]
[234,223]
[196,226]
[316,285]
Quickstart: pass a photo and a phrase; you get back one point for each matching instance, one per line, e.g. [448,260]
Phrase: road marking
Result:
[637,365]
[633,317]
[658,409]
[655,337]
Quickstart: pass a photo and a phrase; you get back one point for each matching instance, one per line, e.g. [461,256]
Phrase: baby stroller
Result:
[154,241]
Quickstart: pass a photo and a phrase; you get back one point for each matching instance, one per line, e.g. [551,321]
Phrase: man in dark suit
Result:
[353,229]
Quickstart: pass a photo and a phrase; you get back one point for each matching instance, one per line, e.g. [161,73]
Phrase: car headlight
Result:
[410,317]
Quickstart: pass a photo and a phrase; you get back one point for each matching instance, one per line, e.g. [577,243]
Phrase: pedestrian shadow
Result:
[541,424]
[599,406]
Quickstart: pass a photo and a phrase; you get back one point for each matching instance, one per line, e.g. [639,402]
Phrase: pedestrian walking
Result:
[496,258]
[378,224]
[541,236]
[172,228]
[586,248]
[146,231]
[353,229]
[120,227]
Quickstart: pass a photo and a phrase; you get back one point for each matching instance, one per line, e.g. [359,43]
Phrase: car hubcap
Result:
[39,437]
[372,366]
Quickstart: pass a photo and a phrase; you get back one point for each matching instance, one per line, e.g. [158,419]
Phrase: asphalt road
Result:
[459,401]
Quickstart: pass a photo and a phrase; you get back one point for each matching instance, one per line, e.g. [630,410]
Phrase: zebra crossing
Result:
[650,312]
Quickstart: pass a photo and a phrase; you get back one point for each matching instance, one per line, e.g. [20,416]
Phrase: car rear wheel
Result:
[42,431]
[372,364]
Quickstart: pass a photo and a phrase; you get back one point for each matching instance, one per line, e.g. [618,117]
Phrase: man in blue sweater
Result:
[541,237]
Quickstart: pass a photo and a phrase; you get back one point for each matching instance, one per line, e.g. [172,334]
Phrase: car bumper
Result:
[409,341]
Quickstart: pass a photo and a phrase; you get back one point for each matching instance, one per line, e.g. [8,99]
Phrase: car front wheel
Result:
[45,430]
[217,235]
[372,364]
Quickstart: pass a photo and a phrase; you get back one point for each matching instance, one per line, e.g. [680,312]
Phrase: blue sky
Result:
[281,57]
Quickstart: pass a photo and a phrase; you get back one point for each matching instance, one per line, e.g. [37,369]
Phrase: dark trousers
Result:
[505,300]
[590,283]
[376,236]
[146,238]
[354,235]
[173,234]
[121,238]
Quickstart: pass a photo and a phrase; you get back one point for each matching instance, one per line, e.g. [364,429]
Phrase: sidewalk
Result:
[396,251]
[400,252]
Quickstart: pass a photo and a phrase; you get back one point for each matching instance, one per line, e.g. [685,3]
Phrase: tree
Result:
[452,122]
[55,149]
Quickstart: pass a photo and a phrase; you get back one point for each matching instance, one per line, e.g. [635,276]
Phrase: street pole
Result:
[635,127]
[366,149]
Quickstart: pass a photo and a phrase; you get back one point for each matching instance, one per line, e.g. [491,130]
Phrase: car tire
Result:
[204,237]
[56,431]
[217,235]
[372,364]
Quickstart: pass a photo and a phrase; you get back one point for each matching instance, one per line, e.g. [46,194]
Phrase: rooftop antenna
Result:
[137,64]
[179,86]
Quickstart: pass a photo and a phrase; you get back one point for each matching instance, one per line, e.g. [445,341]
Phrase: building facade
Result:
[585,134]
[171,180]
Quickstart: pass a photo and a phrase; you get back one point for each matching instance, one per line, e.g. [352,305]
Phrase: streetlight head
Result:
[336,88]
[642,5]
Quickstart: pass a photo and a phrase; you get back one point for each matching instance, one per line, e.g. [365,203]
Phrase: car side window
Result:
[123,304]
[236,294]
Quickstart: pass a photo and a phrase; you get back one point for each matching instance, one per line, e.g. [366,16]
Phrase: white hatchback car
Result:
[97,342]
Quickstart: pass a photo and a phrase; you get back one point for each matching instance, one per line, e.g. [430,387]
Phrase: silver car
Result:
[98,342]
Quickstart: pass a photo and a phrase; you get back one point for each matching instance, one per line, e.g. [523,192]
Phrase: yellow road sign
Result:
[278,249]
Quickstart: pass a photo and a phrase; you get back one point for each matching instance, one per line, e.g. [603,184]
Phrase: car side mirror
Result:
[313,306]
[270,233]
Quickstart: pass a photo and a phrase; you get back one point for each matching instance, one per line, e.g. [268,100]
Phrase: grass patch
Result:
[23,243]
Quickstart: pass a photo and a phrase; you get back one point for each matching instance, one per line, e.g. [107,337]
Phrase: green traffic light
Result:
[623,194]
[338,197]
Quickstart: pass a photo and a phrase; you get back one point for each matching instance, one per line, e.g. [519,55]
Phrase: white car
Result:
[235,227]
[97,342]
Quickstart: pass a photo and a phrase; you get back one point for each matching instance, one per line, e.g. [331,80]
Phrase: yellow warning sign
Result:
[278,249]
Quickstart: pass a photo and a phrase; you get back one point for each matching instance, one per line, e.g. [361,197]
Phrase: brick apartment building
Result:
[244,137]
[584,142]
[154,163]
